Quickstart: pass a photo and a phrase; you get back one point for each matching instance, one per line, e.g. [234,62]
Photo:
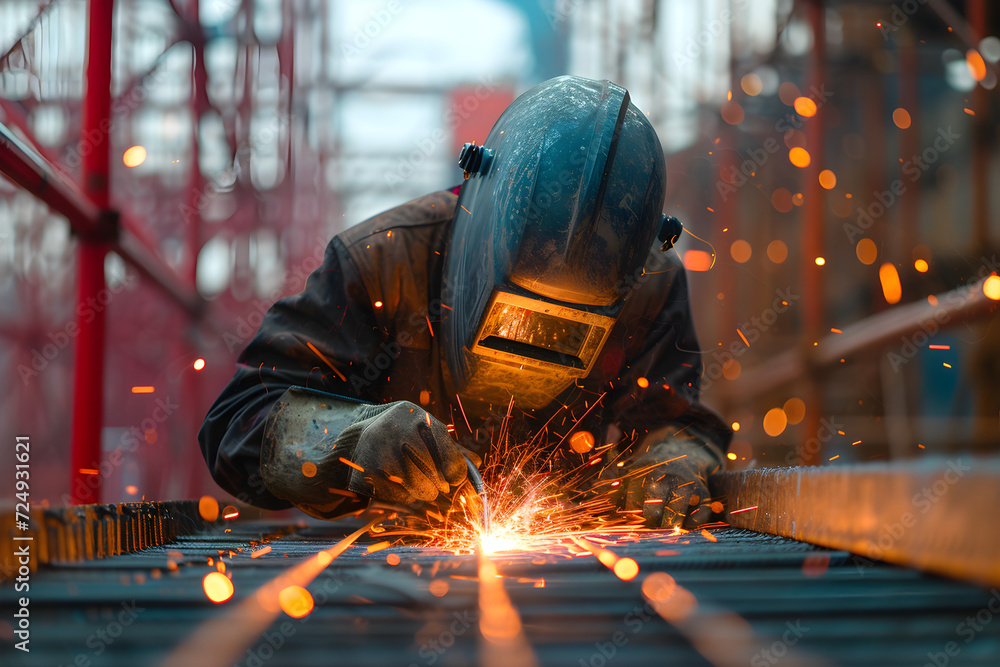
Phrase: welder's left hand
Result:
[673,474]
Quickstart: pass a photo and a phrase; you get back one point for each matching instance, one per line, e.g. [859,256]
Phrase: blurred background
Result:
[834,161]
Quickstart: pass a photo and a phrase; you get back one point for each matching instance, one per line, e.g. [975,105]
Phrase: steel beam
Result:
[88,362]
[933,515]
[868,335]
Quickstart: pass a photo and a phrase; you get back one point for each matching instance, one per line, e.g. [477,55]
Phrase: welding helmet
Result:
[557,214]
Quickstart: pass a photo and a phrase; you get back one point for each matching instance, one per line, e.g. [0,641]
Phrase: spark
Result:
[460,407]
[351,464]
[143,390]
[89,471]
[745,509]
[260,552]
[743,337]
[326,361]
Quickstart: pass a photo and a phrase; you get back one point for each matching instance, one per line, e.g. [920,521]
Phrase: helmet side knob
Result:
[670,231]
[474,159]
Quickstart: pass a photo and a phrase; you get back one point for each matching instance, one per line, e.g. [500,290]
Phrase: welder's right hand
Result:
[406,454]
[396,452]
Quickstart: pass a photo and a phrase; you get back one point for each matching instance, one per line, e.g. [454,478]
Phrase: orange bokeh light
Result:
[217,586]
[991,288]
[582,442]
[134,156]
[775,422]
[777,251]
[977,66]
[866,251]
[296,601]
[208,508]
[799,157]
[741,251]
[892,290]
[697,260]
[199,364]
[921,265]
[732,113]
[827,179]
[626,569]
[751,84]
[901,117]
[805,107]
[794,409]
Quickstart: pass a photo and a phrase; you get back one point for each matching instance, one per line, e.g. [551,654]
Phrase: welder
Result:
[543,288]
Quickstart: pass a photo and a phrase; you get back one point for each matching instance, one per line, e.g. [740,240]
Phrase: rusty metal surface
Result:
[804,604]
[933,515]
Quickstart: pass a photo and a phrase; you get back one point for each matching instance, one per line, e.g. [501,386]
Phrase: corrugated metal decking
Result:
[802,602]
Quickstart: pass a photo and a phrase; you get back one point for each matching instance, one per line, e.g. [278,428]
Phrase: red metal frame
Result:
[88,365]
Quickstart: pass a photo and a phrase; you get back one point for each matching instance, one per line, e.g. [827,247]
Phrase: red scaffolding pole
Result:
[88,371]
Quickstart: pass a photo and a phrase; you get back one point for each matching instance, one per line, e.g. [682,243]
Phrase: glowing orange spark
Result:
[217,586]
[745,509]
[143,390]
[326,361]
[743,337]
[295,601]
[260,552]
[351,463]
[199,364]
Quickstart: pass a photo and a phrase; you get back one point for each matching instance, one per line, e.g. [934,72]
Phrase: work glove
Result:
[327,455]
[407,455]
[668,480]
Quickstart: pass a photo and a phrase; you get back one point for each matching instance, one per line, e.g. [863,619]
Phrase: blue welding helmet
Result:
[558,212]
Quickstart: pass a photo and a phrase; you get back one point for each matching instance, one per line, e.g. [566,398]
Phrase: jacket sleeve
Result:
[321,338]
[658,388]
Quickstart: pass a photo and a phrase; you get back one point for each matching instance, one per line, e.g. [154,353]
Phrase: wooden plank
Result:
[934,515]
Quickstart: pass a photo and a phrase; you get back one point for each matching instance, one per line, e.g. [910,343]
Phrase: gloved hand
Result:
[674,471]
[406,454]
[398,453]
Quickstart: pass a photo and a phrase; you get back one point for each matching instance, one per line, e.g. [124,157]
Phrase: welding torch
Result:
[477,484]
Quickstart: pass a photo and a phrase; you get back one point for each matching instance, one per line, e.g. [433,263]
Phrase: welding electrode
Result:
[477,484]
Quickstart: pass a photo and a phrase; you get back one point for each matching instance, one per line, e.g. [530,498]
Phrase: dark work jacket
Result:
[366,326]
